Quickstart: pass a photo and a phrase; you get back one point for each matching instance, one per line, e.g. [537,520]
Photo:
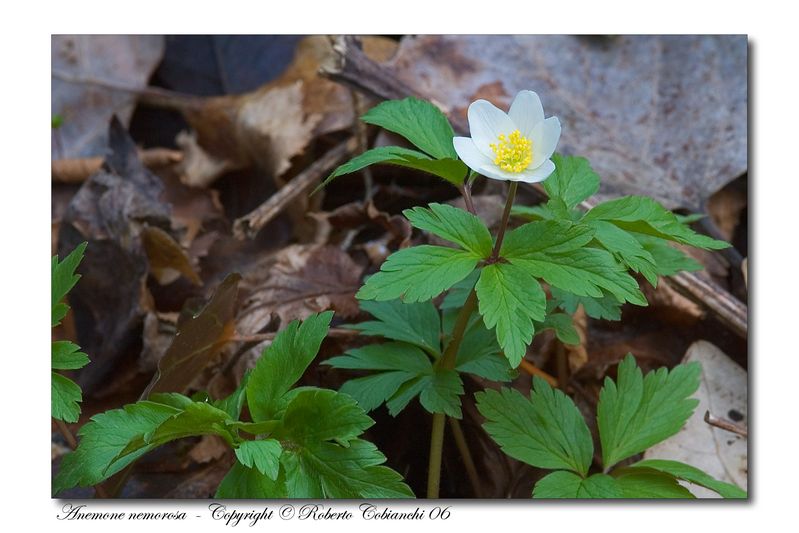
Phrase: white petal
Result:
[486,124]
[526,112]
[532,175]
[540,173]
[545,139]
[469,154]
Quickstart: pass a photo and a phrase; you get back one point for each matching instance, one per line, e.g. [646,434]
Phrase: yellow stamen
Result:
[514,152]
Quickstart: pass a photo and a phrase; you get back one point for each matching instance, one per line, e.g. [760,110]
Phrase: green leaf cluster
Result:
[301,442]
[425,127]
[635,412]
[65,394]
[511,299]
[407,367]
[635,231]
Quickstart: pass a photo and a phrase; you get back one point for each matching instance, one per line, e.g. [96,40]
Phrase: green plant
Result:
[473,307]
[65,394]
[301,442]
[496,283]
[634,413]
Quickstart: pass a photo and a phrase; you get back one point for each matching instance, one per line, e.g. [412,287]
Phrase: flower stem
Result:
[505,216]
[447,362]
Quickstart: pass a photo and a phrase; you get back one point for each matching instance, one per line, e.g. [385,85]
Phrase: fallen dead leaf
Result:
[166,258]
[663,116]
[86,108]
[722,391]
[197,340]
[268,127]
[109,211]
[295,282]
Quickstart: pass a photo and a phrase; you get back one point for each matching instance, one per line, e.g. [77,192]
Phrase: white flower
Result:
[515,146]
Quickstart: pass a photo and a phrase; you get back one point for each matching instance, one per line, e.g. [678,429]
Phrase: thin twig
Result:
[260,337]
[725,424]
[79,170]
[250,224]
[532,370]
[68,436]
[466,455]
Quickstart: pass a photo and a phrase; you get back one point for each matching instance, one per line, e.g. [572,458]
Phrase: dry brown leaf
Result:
[268,127]
[577,355]
[109,211]
[86,108]
[197,340]
[722,392]
[295,282]
[166,258]
[663,116]
[210,448]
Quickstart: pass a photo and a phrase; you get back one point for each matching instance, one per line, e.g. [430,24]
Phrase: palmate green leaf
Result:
[233,403]
[415,323]
[563,326]
[606,307]
[264,455]
[243,482]
[555,251]
[637,412]
[404,373]
[63,278]
[568,485]
[419,121]
[545,236]
[104,438]
[584,272]
[283,363]
[480,354]
[546,431]
[573,180]
[649,483]
[418,274]
[67,356]
[194,418]
[626,248]
[450,169]
[328,470]
[65,398]
[668,259]
[692,475]
[453,224]
[510,298]
[641,214]
[320,415]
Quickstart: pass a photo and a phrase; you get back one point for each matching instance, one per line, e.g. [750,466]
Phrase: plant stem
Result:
[505,216]
[447,362]
[436,449]
[466,192]
[466,455]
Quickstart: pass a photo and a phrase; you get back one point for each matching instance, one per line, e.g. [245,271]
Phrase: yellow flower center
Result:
[514,152]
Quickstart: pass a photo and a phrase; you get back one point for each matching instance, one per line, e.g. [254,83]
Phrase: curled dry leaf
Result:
[268,127]
[295,282]
[166,258]
[663,116]
[86,107]
[722,391]
[109,211]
